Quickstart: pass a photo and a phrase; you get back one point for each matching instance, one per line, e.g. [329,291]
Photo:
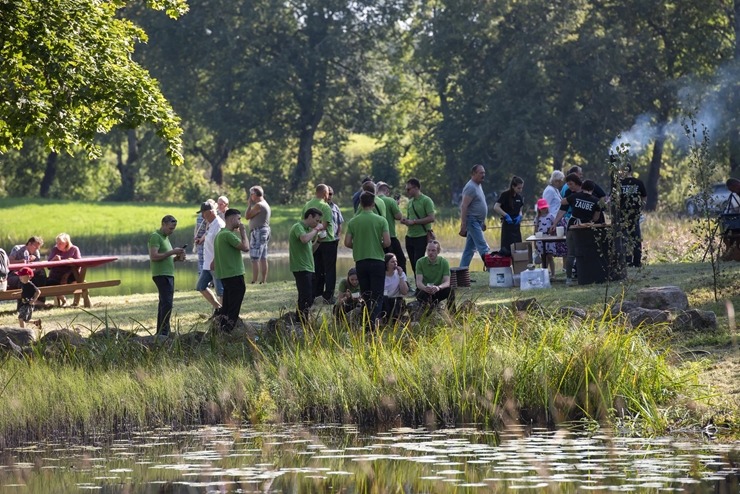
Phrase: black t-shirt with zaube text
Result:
[631,194]
[583,206]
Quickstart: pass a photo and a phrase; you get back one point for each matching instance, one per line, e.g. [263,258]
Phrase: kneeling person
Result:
[433,278]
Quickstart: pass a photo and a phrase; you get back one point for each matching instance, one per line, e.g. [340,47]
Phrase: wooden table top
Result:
[85,262]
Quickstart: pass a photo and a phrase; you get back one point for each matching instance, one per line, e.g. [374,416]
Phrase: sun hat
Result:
[542,204]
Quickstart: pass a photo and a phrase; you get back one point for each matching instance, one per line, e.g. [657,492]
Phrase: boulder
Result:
[641,315]
[663,298]
[65,336]
[623,306]
[695,320]
[17,336]
[576,312]
[527,304]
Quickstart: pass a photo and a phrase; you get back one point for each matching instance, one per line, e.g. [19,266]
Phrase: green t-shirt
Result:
[165,267]
[325,209]
[432,274]
[391,210]
[344,286]
[424,206]
[380,208]
[301,255]
[367,230]
[227,254]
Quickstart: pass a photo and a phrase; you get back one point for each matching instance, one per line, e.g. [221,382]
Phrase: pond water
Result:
[135,274]
[339,458]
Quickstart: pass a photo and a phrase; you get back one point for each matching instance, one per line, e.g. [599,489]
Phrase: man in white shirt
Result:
[215,224]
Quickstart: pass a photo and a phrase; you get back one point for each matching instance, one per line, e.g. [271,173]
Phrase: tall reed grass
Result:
[494,367]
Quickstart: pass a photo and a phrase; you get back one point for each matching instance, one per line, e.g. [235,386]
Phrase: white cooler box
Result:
[532,279]
[501,277]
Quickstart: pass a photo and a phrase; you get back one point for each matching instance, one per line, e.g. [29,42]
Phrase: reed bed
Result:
[494,367]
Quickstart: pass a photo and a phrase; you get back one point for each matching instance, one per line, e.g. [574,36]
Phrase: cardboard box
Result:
[521,255]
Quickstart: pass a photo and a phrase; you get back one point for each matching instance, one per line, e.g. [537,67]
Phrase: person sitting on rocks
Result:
[349,294]
[433,278]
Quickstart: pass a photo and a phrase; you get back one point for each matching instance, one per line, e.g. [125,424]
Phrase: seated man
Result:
[27,253]
[433,278]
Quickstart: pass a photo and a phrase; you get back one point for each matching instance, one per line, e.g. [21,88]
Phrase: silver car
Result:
[719,195]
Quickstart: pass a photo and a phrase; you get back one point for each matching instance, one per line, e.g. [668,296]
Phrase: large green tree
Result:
[66,75]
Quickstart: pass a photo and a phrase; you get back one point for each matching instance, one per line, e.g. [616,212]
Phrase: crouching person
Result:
[433,278]
[29,294]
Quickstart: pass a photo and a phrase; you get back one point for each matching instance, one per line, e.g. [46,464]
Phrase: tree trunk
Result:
[127,169]
[50,174]
[302,169]
[451,165]
[217,159]
[561,144]
[654,172]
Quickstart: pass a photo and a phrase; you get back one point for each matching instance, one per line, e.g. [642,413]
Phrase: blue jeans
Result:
[474,241]
[166,289]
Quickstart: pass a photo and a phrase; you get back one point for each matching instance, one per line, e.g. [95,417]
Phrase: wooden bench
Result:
[70,289]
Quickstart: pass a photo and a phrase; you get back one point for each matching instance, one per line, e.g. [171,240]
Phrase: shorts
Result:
[25,311]
[206,277]
[258,239]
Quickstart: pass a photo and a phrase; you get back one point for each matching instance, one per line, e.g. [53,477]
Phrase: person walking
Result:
[367,235]
[392,214]
[325,256]
[302,242]
[228,246]
[473,212]
[419,218]
[509,208]
[162,259]
[214,224]
[258,213]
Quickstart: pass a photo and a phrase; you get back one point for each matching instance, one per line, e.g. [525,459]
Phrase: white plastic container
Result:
[501,277]
[533,279]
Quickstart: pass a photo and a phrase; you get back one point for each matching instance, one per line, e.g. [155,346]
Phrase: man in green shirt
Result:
[325,256]
[433,278]
[162,259]
[419,219]
[367,235]
[301,246]
[228,246]
[392,214]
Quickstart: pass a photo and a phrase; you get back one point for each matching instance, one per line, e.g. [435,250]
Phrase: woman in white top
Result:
[396,287]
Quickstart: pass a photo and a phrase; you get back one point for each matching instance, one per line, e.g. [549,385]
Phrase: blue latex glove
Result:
[518,219]
[508,219]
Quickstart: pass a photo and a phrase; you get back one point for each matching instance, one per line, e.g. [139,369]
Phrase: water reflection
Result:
[329,458]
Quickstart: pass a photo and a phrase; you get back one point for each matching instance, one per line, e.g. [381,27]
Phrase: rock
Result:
[623,306]
[641,315]
[65,336]
[527,304]
[576,312]
[663,298]
[17,336]
[112,334]
[695,320]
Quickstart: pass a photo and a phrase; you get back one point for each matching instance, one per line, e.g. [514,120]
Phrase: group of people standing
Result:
[220,239]
[379,277]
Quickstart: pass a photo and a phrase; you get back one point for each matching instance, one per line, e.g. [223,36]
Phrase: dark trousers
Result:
[432,300]
[633,240]
[234,289]
[395,248]
[416,247]
[325,263]
[392,308]
[166,289]
[304,284]
[371,275]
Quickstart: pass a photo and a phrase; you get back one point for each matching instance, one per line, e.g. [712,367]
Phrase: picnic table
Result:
[78,288]
[544,238]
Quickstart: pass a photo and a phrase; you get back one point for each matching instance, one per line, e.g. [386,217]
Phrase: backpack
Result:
[4,263]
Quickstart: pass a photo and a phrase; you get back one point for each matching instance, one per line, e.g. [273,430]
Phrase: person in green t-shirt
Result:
[419,219]
[392,214]
[325,255]
[433,278]
[367,235]
[349,295]
[228,246]
[301,246]
[162,259]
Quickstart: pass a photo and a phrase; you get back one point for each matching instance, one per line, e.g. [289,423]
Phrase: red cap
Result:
[542,204]
[24,271]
